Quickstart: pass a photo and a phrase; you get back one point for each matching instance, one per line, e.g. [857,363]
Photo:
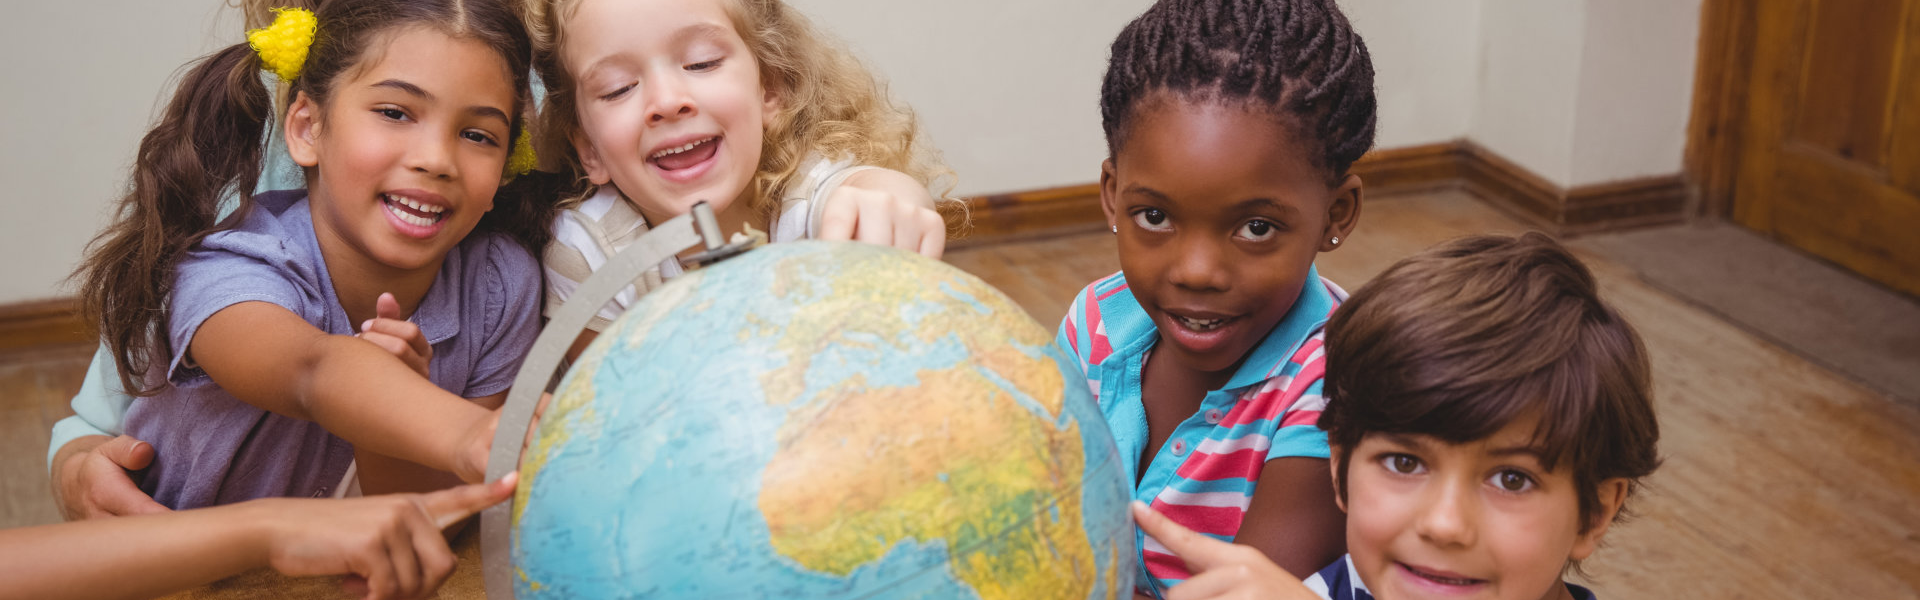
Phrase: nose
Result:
[1450,514]
[1200,265]
[668,99]
[434,158]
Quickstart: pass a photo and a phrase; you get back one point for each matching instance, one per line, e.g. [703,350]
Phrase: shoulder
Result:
[495,260]
[1335,582]
[271,249]
[273,228]
[1103,316]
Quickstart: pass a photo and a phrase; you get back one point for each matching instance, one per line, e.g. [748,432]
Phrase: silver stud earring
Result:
[1336,240]
[1116,230]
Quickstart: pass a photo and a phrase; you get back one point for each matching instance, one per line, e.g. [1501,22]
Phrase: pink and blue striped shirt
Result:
[1204,475]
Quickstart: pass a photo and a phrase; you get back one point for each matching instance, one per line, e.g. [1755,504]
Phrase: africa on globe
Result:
[823,420]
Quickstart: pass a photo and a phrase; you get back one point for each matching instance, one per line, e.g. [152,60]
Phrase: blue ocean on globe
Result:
[823,420]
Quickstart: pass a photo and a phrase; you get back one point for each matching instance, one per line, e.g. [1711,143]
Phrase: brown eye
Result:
[1512,481]
[1152,219]
[1257,231]
[1401,463]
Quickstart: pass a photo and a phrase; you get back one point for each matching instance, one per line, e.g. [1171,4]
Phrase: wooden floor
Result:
[1782,479]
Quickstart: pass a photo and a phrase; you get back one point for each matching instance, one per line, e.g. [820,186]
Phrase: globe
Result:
[823,420]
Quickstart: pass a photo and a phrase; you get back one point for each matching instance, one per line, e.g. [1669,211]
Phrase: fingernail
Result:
[366,325]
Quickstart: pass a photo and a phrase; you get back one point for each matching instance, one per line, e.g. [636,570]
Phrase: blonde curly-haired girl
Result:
[654,105]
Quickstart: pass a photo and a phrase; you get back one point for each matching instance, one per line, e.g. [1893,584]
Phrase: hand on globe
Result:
[1221,570]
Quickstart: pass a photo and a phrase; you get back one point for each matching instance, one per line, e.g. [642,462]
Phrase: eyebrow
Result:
[699,30]
[1538,454]
[417,92]
[1265,202]
[1406,441]
[1423,443]
[681,36]
[1242,205]
[1146,191]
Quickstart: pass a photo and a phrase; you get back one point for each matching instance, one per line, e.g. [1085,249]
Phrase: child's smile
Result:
[1220,214]
[671,106]
[415,213]
[1427,518]
[409,152]
[682,161]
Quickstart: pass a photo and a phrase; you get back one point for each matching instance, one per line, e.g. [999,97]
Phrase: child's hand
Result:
[396,335]
[884,207]
[390,545]
[1220,570]
[93,482]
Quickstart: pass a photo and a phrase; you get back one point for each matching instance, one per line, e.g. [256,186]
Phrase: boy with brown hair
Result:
[1488,416]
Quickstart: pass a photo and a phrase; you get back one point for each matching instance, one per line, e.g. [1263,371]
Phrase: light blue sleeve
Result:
[100,408]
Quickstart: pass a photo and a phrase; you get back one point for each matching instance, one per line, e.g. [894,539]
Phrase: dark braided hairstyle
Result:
[1301,58]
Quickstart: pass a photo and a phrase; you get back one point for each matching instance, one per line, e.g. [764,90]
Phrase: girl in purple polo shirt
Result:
[239,336]
[1231,125]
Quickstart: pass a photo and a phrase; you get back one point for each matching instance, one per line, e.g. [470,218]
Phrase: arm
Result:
[1220,570]
[392,541]
[1293,518]
[350,386]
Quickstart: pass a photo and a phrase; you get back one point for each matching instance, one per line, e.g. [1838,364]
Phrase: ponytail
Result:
[206,145]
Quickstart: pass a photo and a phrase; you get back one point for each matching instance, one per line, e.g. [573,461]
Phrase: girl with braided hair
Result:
[1231,126]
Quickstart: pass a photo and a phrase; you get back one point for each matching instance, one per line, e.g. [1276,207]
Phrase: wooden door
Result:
[1829,155]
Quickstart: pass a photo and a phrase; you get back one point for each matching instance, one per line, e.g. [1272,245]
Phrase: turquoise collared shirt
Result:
[1204,476]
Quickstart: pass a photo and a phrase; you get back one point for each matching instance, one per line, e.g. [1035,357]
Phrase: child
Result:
[1230,128]
[658,104]
[390,545]
[402,113]
[1489,417]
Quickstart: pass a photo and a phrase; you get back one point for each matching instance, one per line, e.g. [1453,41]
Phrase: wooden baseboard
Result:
[43,324]
[1052,211]
[1387,172]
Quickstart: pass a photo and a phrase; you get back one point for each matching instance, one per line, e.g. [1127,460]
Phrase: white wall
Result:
[1426,66]
[81,84]
[1529,81]
[1636,89]
[1587,91]
[1579,91]
[1009,90]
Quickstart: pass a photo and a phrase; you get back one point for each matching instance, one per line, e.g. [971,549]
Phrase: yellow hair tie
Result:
[523,159]
[283,45]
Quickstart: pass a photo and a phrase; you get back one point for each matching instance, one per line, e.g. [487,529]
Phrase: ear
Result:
[589,158]
[1333,464]
[1611,495]
[1110,194]
[769,105]
[303,131]
[1343,213]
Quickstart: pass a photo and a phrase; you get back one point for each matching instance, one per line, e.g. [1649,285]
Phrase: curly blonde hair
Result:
[830,104]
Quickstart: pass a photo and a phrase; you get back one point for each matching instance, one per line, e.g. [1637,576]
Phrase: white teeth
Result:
[410,203]
[394,203]
[1200,324]
[673,151]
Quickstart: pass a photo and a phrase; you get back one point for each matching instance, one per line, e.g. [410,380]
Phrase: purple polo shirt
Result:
[481,316]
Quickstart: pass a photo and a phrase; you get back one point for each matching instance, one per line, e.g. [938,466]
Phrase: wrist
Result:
[64,471]
[254,529]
